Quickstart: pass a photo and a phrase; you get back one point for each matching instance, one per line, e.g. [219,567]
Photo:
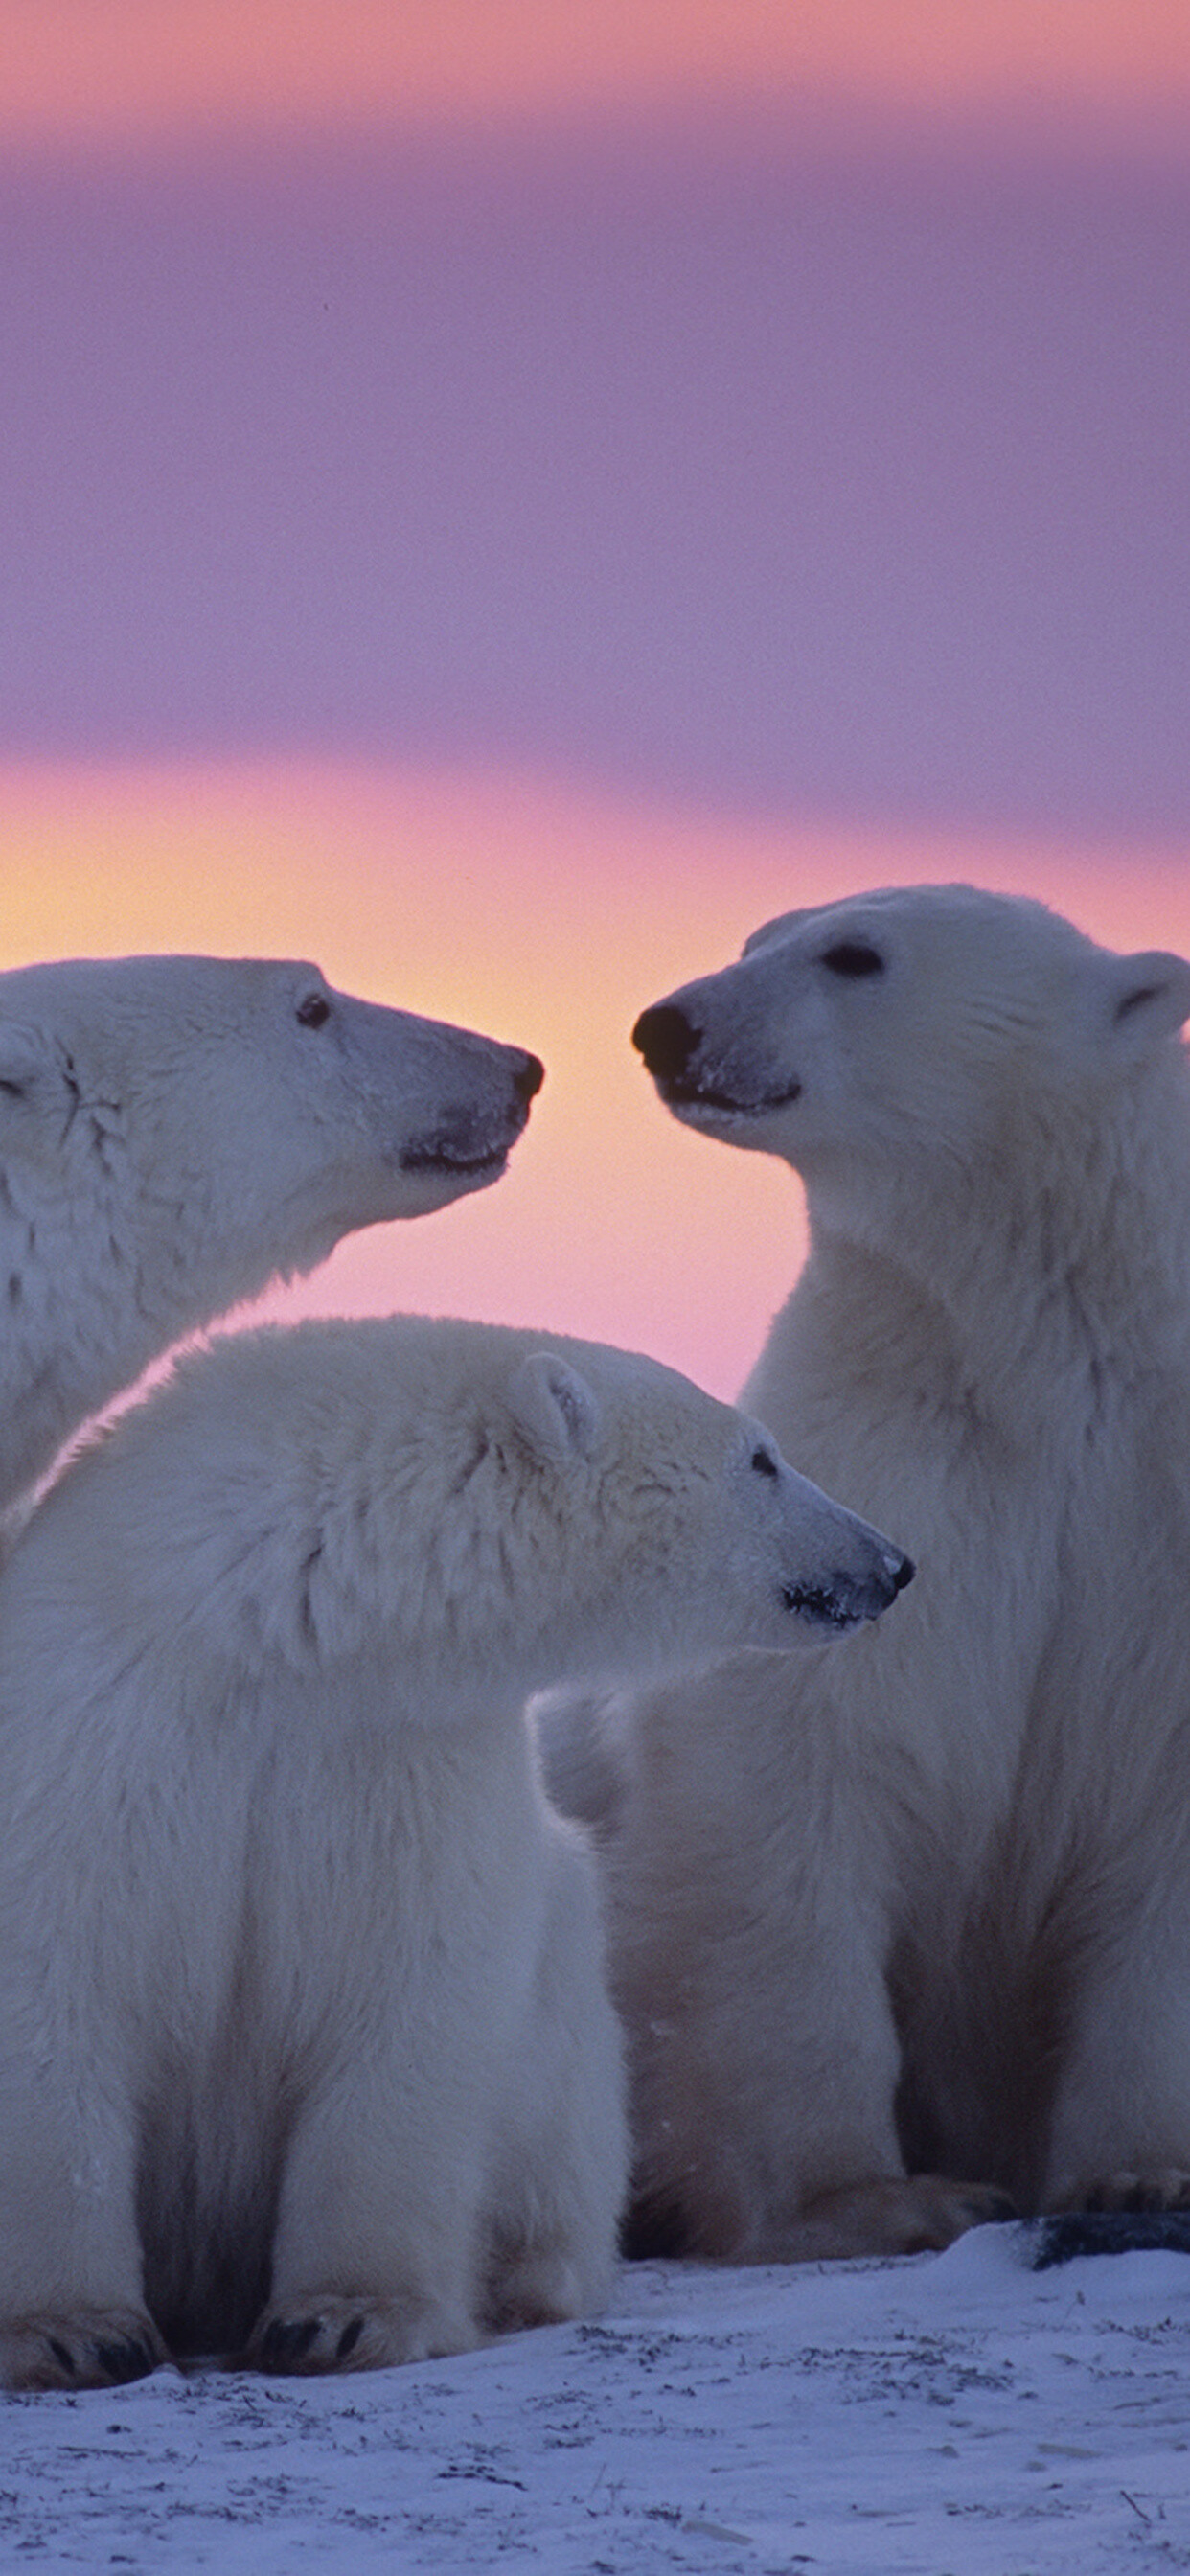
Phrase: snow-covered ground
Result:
[949,2413]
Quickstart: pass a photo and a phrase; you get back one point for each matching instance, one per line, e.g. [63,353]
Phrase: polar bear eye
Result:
[313,1010]
[853,957]
[764,1462]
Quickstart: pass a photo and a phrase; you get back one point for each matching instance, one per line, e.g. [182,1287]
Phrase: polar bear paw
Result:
[1167,2187]
[307,2335]
[918,2214]
[537,2287]
[97,2348]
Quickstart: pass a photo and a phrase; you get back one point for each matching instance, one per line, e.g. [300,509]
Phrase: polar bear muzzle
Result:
[669,1041]
[845,1602]
[482,1140]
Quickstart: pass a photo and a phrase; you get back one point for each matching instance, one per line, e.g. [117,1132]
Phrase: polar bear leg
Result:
[788,2151]
[561,2164]
[751,1930]
[764,2096]
[1121,2130]
[375,2247]
[749,1934]
[70,2258]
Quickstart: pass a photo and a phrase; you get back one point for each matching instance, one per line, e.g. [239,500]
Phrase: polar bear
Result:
[901,1931]
[176,1131]
[304,2041]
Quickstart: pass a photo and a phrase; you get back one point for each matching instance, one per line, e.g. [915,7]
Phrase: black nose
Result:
[904,1574]
[665,1039]
[527,1081]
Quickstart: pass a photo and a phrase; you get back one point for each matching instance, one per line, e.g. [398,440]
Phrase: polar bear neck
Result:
[1065,1248]
[474,1584]
[97,1286]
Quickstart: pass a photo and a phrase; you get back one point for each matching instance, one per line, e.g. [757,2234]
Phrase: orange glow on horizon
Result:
[538,916]
[132,71]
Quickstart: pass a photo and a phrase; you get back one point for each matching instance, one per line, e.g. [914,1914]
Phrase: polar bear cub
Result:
[911,1925]
[177,1131]
[304,2041]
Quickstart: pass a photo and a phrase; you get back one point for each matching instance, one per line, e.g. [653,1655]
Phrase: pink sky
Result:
[546,918]
[132,70]
[503,497]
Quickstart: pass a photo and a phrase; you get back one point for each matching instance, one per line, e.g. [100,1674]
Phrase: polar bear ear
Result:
[1148,997]
[553,1408]
[771,931]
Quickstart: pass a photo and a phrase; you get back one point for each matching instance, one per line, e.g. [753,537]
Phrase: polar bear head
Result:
[176,1131]
[242,1085]
[682,1527]
[918,1024]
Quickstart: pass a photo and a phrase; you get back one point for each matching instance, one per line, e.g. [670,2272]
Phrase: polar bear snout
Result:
[834,1568]
[528,1079]
[478,1138]
[666,1039]
[691,1077]
[844,1600]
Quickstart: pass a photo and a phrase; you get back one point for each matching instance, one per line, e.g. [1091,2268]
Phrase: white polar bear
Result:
[924,1910]
[176,1131]
[304,2040]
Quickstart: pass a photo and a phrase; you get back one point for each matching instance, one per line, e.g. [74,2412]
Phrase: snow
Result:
[948,2415]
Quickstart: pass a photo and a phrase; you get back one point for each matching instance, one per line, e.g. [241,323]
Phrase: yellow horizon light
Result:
[538,915]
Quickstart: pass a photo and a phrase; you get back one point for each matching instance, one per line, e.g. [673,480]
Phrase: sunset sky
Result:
[500,496]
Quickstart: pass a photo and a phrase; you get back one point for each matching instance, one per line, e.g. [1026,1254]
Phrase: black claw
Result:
[993,2205]
[122,2361]
[63,2356]
[349,2338]
[288,2339]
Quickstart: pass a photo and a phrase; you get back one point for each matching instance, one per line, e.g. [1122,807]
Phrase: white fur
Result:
[925,1907]
[173,1135]
[304,2040]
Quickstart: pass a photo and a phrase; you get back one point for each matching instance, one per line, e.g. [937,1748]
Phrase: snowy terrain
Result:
[948,2413]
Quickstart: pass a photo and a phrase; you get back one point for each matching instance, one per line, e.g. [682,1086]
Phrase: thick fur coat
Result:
[903,1930]
[305,2045]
